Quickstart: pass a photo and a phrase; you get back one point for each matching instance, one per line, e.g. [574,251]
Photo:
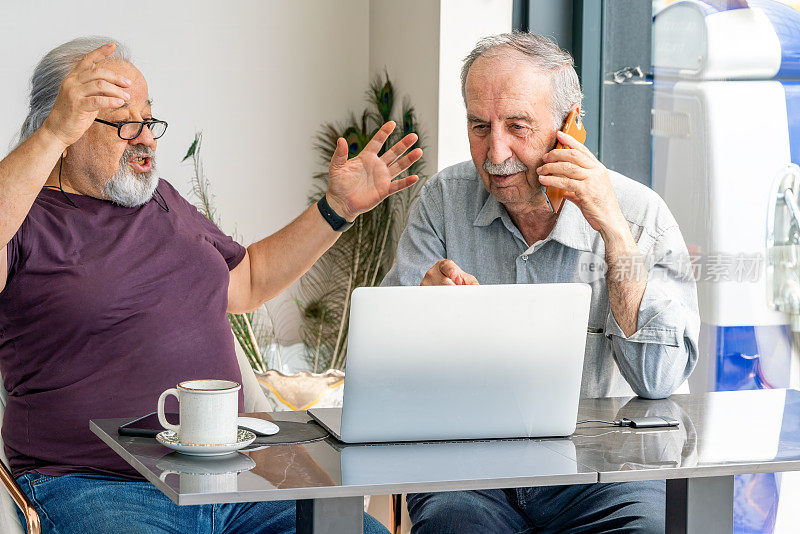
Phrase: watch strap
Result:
[337,222]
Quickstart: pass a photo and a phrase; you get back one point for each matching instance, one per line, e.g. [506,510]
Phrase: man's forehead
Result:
[124,112]
[477,116]
[485,106]
[126,68]
[138,89]
[147,103]
[510,92]
[505,72]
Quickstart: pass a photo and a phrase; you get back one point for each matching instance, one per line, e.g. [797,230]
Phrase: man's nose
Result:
[499,149]
[145,137]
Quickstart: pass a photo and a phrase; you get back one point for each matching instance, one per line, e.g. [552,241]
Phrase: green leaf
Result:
[386,100]
[192,148]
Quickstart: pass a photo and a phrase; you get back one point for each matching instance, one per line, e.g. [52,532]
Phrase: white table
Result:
[721,435]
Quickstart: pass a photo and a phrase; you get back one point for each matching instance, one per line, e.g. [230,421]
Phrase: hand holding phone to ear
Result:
[573,126]
[573,171]
[587,183]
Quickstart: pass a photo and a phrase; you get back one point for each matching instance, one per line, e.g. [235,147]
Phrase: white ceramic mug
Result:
[209,411]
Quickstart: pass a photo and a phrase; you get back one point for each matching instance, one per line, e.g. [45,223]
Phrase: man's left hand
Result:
[359,184]
[586,183]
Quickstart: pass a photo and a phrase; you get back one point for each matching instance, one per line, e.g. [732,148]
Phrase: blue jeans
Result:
[82,504]
[617,507]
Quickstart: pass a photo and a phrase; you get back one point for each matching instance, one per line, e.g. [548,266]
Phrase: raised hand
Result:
[83,93]
[359,184]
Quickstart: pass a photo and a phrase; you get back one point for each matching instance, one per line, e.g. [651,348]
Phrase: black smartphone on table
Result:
[147,426]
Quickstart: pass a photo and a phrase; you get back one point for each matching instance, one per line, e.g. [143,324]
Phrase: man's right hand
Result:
[85,91]
[447,273]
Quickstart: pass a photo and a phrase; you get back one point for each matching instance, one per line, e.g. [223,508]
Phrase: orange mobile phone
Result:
[574,127]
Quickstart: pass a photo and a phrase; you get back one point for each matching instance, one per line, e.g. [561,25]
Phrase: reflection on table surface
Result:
[728,432]
[719,433]
[466,460]
[329,463]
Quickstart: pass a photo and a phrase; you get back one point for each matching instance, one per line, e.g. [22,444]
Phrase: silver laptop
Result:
[463,362]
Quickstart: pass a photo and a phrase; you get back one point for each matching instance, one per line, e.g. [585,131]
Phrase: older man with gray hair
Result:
[488,221]
[113,288]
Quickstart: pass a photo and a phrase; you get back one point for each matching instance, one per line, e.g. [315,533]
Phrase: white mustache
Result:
[509,166]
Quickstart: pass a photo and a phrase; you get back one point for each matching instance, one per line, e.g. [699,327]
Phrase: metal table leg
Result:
[344,515]
[700,505]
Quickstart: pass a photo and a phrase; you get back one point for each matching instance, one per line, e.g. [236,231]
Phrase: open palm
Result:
[359,184]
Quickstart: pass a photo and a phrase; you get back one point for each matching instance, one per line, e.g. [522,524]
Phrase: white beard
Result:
[129,188]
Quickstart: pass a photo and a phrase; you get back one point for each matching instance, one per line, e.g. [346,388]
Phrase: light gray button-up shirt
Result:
[456,218]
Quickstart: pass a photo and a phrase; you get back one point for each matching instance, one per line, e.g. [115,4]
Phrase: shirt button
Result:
[524,257]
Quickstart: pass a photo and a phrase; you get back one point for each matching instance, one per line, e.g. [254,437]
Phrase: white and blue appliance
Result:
[726,142]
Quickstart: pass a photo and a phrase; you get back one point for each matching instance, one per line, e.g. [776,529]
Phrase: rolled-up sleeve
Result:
[422,243]
[657,358]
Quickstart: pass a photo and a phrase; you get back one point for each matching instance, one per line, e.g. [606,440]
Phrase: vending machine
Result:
[726,145]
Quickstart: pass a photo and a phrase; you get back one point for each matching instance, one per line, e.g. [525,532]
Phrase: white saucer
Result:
[169,438]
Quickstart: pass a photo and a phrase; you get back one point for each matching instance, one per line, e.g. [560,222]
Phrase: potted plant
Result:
[361,257]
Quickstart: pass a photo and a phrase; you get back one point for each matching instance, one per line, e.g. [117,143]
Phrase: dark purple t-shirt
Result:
[105,307]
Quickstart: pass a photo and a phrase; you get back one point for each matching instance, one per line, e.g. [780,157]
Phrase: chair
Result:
[13,497]
[396,517]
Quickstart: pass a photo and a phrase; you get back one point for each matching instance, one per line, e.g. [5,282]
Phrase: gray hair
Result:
[50,73]
[546,56]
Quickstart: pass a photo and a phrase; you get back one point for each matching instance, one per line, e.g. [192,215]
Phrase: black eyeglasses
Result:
[132,129]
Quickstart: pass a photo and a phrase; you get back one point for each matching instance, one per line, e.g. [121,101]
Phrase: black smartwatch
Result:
[337,222]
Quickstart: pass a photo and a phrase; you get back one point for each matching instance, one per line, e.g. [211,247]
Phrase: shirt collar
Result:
[571,229]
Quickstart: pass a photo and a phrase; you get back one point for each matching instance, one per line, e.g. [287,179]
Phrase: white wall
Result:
[257,77]
[462,24]
[422,44]
[404,40]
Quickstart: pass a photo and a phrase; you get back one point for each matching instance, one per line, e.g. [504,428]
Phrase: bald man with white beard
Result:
[114,288]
